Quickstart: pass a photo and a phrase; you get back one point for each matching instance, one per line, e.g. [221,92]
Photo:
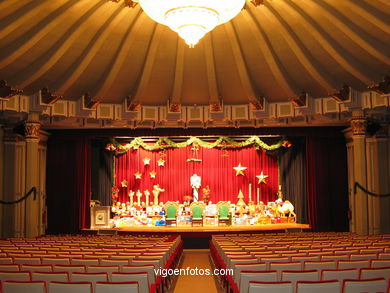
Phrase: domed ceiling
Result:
[274,49]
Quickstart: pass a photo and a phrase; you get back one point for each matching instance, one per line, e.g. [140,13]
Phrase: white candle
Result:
[258,195]
[250,192]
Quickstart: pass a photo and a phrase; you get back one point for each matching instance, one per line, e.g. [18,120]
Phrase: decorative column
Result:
[33,215]
[358,125]
[13,221]
[381,205]
[1,176]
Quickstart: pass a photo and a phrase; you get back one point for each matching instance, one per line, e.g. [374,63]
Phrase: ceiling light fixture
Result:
[191,19]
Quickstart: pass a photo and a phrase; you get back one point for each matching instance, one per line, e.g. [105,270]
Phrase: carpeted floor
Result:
[196,259]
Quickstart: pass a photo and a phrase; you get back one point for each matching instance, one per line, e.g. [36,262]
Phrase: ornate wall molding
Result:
[31,129]
[359,125]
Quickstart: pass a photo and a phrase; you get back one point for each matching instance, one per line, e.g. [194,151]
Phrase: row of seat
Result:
[158,259]
[77,258]
[348,286]
[63,287]
[246,275]
[14,270]
[143,278]
[314,257]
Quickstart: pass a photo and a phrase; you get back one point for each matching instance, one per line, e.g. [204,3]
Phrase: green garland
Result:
[222,142]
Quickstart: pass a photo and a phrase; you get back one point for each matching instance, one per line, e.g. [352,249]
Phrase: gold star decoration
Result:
[124,183]
[240,169]
[152,174]
[262,178]
[161,162]
[146,161]
[138,175]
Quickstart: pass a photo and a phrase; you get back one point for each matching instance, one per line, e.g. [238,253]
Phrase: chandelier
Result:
[191,19]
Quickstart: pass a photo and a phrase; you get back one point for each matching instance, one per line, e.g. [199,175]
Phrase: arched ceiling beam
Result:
[33,13]
[240,62]
[378,4]
[109,77]
[31,41]
[147,67]
[270,56]
[357,38]
[8,7]
[323,39]
[210,67]
[76,31]
[179,73]
[303,55]
[91,50]
[354,6]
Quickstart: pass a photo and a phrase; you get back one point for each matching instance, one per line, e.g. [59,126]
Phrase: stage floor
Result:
[210,229]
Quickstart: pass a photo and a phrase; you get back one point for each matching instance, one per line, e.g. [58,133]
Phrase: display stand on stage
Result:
[193,214]
[100,217]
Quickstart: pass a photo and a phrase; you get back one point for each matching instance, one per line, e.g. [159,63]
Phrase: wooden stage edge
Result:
[207,229]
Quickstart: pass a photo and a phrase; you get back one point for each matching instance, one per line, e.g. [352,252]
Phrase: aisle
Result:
[196,259]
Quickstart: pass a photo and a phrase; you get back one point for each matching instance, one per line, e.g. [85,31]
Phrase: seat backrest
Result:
[335,257]
[371,273]
[380,263]
[238,267]
[89,277]
[368,285]
[270,287]
[114,262]
[280,266]
[294,276]
[339,274]
[223,211]
[171,211]
[6,260]
[197,212]
[15,276]
[241,259]
[365,256]
[320,265]
[9,267]
[353,264]
[86,261]
[105,269]
[140,268]
[69,268]
[27,260]
[250,275]
[50,276]
[138,262]
[302,259]
[141,278]
[274,259]
[56,260]
[384,255]
[115,287]
[331,286]
[24,286]
[67,287]
[35,268]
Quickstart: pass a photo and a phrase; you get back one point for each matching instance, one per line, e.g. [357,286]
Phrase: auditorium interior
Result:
[183,146]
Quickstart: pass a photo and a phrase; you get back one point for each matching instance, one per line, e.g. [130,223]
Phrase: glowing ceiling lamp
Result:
[191,19]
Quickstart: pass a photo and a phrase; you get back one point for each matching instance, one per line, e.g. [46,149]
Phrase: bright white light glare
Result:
[191,19]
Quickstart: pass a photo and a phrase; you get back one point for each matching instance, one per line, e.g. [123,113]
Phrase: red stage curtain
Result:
[327,183]
[216,171]
[68,184]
